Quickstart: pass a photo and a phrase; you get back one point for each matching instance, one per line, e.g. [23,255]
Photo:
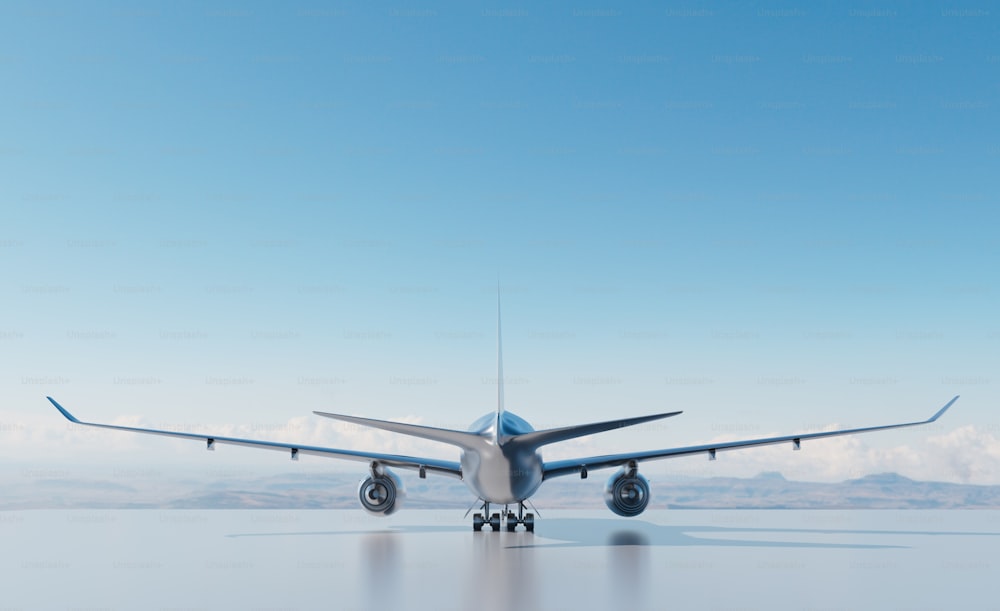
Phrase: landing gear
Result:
[528,519]
[510,519]
[479,520]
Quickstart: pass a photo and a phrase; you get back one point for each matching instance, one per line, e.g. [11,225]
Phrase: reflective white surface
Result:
[425,559]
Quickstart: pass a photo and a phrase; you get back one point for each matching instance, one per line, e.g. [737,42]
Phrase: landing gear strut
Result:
[479,520]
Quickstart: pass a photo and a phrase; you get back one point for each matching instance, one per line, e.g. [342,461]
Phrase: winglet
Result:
[943,409]
[62,409]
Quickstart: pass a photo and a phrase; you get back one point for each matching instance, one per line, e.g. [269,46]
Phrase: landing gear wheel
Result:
[529,522]
[511,521]
[477,522]
[495,522]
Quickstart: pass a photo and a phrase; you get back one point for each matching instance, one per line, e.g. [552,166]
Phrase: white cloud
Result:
[964,455]
[972,455]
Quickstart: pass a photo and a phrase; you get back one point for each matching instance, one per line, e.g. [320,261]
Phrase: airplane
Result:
[500,461]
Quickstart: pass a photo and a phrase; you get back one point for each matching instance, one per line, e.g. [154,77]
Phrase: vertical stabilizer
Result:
[499,359]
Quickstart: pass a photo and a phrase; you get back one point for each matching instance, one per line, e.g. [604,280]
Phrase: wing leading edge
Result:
[569,467]
[432,465]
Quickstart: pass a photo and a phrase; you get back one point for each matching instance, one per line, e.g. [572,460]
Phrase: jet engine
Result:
[627,492]
[381,493]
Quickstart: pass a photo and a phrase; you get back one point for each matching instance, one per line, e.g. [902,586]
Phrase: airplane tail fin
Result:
[499,359]
[498,435]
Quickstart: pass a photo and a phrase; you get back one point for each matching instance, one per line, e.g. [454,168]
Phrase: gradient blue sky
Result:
[772,216]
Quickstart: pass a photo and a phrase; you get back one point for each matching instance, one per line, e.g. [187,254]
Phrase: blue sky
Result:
[771,216]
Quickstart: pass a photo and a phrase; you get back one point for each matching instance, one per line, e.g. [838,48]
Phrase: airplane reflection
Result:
[628,559]
[501,576]
[610,563]
[381,554]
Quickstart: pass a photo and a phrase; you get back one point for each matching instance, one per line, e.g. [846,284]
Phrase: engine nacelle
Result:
[381,493]
[627,492]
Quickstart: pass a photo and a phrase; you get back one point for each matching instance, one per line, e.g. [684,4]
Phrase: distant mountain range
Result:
[880,491]
[338,490]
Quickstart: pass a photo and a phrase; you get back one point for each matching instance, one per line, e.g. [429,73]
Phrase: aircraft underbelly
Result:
[502,477]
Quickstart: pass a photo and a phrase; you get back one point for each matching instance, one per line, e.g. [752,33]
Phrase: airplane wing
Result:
[432,465]
[579,465]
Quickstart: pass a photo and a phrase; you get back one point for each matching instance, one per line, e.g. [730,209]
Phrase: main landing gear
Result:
[511,521]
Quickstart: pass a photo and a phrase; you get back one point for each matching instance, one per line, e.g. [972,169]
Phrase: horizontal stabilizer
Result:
[462,439]
[540,438]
